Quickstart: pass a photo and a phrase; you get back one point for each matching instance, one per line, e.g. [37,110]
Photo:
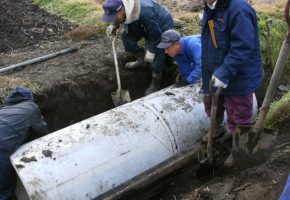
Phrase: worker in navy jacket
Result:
[187,53]
[231,58]
[141,19]
[18,115]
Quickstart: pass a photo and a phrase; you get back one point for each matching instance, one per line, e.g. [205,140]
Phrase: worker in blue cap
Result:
[18,116]
[141,19]
[186,51]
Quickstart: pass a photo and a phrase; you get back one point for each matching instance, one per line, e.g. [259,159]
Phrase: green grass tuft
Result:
[279,112]
[278,33]
[79,12]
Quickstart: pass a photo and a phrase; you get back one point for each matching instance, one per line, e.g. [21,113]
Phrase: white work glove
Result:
[111,30]
[149,57]
[217,82]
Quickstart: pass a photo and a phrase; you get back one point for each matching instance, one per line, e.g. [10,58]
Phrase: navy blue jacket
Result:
[17,116]
[237,59]
[189,61]
[154,19]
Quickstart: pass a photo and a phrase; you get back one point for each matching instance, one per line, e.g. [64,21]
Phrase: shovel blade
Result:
[120,97]
[252,147]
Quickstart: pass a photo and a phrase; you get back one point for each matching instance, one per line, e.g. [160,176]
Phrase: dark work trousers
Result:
[239,109]
[7,179]
[130,42]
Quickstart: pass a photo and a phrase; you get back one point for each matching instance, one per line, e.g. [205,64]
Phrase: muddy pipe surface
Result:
[98,154]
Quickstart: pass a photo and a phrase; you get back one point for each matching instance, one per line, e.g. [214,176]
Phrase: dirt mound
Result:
[24,24]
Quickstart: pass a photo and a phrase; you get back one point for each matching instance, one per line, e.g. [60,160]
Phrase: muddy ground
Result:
[76,86]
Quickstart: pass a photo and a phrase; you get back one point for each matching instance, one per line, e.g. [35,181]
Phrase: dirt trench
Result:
[77,85]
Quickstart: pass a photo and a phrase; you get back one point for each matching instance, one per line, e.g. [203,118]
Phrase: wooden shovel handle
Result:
[215,95]
[116,63]
[286,16]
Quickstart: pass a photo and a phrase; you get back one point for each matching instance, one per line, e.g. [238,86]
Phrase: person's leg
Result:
[219,129]
[157,69]
[239,110]
[130,42]
[7,179]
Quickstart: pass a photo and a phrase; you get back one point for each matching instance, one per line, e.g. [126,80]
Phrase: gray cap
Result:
[168,38]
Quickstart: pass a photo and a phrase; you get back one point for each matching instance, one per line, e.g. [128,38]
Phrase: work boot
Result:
[138,63]
[155,84]
[229,162]
[225,137]
[218,132]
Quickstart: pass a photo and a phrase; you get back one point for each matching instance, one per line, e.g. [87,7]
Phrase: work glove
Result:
[180,81]
[149,57]
[111,30]
[217,82]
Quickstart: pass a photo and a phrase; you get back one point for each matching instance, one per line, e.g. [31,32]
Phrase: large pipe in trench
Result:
[92,157]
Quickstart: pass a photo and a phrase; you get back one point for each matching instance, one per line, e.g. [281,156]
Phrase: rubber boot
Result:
[155,84]
[229,162]
[219,130]
[138,63]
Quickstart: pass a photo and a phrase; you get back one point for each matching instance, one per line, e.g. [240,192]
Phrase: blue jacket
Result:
[17,116]
[189,61]
[154,19]
[237,59]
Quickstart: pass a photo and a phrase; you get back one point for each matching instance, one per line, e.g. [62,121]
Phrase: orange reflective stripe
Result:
[211,28]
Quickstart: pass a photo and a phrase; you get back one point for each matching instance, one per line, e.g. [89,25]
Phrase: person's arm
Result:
[195,50]
[38,124]
[242,34]
[152,29]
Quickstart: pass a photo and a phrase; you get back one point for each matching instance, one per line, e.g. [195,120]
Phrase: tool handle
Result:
[116,64]
[286,16]
[214,101]
[277,73]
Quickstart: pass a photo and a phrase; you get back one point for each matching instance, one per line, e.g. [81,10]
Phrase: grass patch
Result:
[7,84]
[192,23]
[81,12]
[279,112]
[278,32]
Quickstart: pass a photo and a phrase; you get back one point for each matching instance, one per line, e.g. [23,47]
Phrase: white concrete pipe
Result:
[96,155]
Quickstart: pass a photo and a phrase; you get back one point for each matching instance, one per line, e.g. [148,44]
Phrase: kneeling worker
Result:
[187,53]
[141,19]
[18,115]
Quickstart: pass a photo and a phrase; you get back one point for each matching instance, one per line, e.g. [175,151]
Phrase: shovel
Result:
[253,145]
[120,96]
[208,163]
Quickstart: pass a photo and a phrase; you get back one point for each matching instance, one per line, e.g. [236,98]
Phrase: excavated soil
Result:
[77,85]
[23,24]
[263,182]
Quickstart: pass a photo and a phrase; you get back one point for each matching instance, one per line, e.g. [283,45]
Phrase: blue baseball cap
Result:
[168,38]
[111,8]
